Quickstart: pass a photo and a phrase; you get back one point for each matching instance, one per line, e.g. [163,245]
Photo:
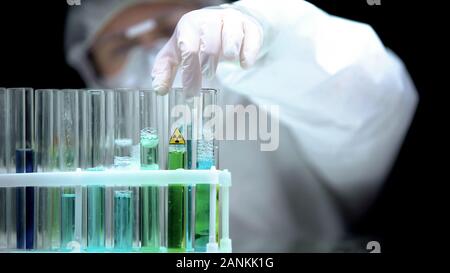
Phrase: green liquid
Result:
[123,220]
[96,217]
[202,216]
[205,160]
[176,230]
[67,218]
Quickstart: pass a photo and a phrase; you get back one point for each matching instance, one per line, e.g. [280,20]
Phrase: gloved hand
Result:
[201,39]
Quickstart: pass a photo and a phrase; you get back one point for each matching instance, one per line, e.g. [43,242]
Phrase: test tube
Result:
[57,131]
[126,133]
[206,156]
[17,157]
[151,135]
[68,126]
[3,169]
[177,214]
[48,201]
[93,158]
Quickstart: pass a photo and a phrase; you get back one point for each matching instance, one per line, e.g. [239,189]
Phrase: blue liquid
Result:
[20,220]
[123,220]
[25,164]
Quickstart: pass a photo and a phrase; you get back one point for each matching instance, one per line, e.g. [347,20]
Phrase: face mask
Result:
[137,70]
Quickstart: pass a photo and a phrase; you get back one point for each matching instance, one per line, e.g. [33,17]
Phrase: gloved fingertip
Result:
[248,62]
[160,88]
[161,91]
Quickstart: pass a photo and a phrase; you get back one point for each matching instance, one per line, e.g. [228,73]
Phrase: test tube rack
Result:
[84,171]
[80,181]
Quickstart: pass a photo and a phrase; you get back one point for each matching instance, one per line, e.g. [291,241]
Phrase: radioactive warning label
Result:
[177,137]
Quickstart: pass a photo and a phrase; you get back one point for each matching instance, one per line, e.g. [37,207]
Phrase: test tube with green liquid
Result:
[176,229]
[205,157]
[177,194]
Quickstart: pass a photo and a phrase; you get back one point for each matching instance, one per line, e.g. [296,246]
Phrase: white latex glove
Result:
[201,39]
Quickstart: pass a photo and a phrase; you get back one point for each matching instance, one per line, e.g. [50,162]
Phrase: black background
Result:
[32,55]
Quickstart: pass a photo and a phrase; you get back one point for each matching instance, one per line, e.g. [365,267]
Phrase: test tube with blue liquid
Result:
[17,204]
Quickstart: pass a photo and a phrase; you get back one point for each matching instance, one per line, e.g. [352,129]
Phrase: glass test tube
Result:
[4,138]
[126,129]
[150,209]
[17,156]
[48,201]
[68,126]
[93,158]
[205,157]
[177,214]
[57,130]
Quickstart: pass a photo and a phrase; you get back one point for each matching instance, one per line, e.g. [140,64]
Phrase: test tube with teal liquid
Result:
[93,158]
[68,142]
[123,220]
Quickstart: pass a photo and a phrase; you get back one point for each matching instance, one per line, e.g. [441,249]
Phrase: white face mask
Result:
[137,70]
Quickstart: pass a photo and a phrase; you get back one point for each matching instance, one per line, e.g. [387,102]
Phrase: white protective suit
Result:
[346,103]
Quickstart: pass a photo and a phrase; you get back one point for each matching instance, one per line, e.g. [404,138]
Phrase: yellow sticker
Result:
[177,137]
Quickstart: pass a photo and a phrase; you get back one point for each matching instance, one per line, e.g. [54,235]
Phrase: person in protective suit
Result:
[345,100]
